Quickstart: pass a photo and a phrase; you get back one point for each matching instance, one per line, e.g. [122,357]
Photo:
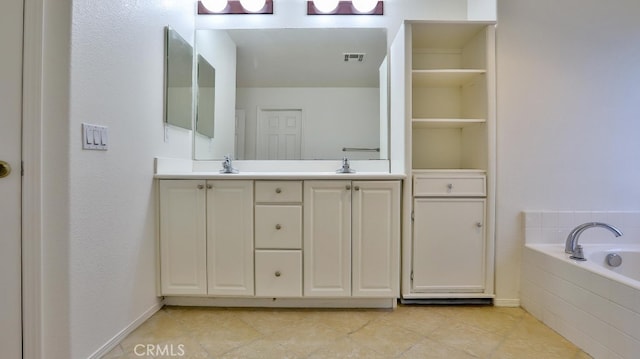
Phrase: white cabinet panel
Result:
[278,191]
[376,238]
[278,273]
[327,238]
[183,249]
[230,237]
[279,226]
[449,245]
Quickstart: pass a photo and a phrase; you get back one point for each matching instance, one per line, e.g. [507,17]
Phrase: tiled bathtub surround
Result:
[554,227]
[600,315]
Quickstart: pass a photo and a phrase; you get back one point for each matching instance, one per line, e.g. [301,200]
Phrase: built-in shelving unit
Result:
[449,205]
[449,95]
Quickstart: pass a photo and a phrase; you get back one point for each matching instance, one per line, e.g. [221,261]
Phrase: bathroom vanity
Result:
[415,222]
[292,239]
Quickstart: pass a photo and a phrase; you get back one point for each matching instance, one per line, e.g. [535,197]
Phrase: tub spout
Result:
[571,246]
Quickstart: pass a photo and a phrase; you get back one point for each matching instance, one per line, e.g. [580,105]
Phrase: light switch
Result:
[94,137]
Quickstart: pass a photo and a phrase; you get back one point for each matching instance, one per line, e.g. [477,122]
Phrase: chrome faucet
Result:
[227,166]
[572,247]
[345,167]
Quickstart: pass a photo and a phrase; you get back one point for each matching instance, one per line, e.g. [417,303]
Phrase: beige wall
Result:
[568,115]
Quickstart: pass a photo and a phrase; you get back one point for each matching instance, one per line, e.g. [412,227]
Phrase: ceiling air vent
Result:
[352,56]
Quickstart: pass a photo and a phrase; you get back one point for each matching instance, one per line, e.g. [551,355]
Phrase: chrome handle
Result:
[347,187]
[357,188]
[278,190]
[278,226]
[5,169]
[278,273]
[209,186]
[200,186]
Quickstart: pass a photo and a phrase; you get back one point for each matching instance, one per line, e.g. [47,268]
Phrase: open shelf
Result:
[418,123]
[444,78]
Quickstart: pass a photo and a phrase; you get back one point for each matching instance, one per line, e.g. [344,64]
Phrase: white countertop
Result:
[283,176]
[166,168]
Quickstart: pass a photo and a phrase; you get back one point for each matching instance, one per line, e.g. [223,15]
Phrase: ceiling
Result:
[308,57]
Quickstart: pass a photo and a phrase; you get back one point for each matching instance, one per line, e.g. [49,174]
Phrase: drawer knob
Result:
[278,226]
[478,224]
[209,186]
[347,187]
[449,187]
[278,190]
[278,273]
[357,188]
[200,186]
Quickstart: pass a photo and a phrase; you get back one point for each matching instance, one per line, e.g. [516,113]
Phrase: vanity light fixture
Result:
[351,7]
[234,7]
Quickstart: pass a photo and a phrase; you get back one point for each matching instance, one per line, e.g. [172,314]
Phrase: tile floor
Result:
[450,332]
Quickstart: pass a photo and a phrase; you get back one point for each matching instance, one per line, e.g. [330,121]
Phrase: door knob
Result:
[5,169]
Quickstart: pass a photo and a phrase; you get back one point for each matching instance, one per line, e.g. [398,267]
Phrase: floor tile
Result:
[385,338]
[452,332]
[430,349]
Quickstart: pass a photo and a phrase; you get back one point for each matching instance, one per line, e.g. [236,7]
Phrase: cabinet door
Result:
[327,238]
[230,237]
[448,245]
[183,248]
[376,238]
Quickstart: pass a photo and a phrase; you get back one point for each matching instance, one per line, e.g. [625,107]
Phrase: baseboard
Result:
[283,302]
[506,302]
[108,346]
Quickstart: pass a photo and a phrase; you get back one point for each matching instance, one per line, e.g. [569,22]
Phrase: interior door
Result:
[10,178]
[279,135]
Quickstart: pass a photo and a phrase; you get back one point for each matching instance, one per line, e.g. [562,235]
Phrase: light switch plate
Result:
[94,137]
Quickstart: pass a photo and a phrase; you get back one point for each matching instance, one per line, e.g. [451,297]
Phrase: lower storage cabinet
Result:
[278,273]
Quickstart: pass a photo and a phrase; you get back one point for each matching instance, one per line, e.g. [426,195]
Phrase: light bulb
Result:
[252,5]
[325,5]
[364,5]
[215,5]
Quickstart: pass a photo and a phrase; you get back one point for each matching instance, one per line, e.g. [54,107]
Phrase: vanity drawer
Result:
[448,186]
[278,191]
[278,226]
[278,273]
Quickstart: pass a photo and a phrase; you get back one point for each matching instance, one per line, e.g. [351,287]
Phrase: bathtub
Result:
[595,306]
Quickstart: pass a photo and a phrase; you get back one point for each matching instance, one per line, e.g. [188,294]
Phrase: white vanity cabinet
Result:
[278,239]
[316,242]
[183,242]
[230,238]
[206,237]
[351,238]
[327,238]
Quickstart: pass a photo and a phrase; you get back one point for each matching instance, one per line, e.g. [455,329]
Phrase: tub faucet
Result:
[572,247]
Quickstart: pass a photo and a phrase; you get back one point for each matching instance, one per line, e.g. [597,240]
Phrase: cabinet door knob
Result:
[209,186]
[357,188]
[347,187]
[278,273]
[200,186]
[478,224]
[278,226]
[278,190]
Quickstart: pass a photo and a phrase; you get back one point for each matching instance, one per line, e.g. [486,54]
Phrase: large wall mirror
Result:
[297,94]
[178,80]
